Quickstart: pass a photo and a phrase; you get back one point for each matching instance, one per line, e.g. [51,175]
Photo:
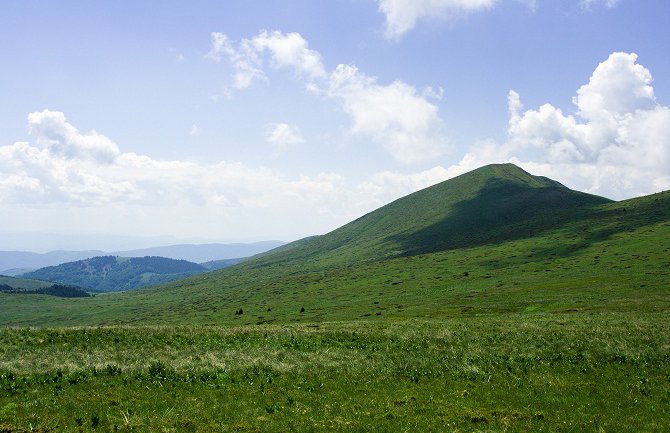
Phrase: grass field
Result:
[558,372]
[23,283]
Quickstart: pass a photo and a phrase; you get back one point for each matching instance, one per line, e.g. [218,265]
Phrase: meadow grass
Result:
[524,372]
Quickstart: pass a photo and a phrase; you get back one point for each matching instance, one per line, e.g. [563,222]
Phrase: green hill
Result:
[491,204]
[215,265]
[112,274]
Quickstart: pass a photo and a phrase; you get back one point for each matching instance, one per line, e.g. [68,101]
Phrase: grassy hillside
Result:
[215,265]
[110,274]
[492,204]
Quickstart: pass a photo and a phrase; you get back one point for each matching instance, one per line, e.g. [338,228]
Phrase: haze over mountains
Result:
[19,262]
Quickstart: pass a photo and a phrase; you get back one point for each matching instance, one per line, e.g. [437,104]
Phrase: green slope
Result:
[555,250]
[23,283]
[491,204]
[110,274]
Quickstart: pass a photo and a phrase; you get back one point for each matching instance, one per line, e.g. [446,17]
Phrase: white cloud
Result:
[194,130]
[67,166]
[394,115]
[290,50]
[54,133]
[430,93]
[587,4]
[617,87]
[388,185]
[55,184]
[282,136]
[286,50]
[133,186]
[51,185]
[403,15]
[616,144]
[244,58]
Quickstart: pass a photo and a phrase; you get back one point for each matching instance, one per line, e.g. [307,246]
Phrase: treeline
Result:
[60,290]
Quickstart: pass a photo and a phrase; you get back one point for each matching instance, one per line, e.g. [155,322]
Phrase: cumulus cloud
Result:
[617,142]
[394,115]
[286,50]
[283,135]
[290,50]
[617,87]
[403,15]
[53,132]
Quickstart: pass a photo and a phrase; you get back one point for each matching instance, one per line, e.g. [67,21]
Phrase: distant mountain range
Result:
[19,262]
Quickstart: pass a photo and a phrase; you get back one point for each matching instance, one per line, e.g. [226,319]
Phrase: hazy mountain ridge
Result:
[18,262]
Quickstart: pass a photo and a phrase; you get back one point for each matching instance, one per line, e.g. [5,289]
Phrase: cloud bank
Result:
[66,171]
[64,165]
[615,142]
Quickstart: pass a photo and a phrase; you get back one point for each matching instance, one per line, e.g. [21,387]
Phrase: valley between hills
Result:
[494,301]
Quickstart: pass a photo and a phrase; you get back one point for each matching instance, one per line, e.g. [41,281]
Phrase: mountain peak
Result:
[506,172]
[491,204]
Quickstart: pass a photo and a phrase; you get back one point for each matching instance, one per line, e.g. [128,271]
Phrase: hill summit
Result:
[113,274]
[494,203]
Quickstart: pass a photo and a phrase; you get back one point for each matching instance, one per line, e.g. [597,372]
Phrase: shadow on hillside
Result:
[506,211]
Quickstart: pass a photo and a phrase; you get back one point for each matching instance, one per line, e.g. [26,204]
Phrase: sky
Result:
[130,124]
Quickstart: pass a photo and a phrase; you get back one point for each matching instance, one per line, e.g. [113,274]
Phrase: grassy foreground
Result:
[563,373]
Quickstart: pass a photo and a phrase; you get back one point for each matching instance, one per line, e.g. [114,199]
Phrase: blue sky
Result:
[250,120]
